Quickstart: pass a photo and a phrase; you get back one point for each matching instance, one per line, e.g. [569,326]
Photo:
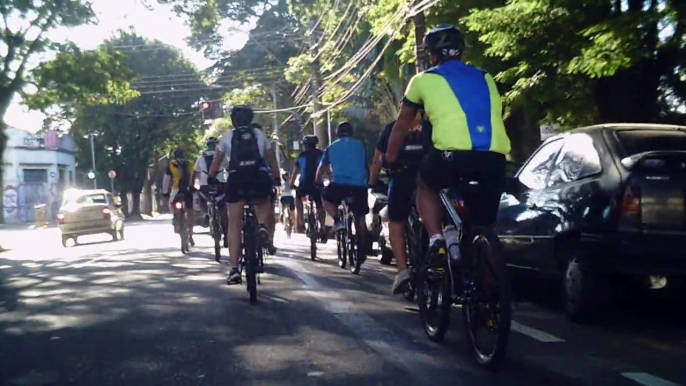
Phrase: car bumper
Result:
[638,253]
[87,227]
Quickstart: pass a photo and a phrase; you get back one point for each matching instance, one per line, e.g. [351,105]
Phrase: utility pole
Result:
[319,129]
[419,31]
[95,178]
[277,148]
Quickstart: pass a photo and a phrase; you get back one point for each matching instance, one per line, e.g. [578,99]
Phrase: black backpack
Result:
[245,153]
[184,183]
[311,165]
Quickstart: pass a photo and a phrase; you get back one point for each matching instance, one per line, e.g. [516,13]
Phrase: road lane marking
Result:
[539,335]
[380,339]
[647,379]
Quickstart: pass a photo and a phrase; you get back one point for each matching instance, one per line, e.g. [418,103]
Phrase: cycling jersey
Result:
[308,162]
[202,165]
[348,160]
[181,173]
[463,106]
[413,149]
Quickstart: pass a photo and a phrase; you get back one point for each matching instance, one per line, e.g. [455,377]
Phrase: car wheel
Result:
[582,289]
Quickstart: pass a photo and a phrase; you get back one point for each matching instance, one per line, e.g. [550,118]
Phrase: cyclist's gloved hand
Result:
[212,180]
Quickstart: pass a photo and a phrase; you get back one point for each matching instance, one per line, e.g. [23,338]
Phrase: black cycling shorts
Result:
[288,202]
[302,191]
[336,193]
[400,194]
[242,186]
[440,170]
[185,196]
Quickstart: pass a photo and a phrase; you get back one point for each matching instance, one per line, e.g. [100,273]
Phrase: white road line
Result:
[647,379]
[536,334]
[374,335]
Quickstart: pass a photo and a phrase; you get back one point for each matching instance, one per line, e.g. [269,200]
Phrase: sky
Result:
[160,23]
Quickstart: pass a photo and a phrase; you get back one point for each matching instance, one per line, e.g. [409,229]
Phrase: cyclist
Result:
[400,189]
[346,161]
[286,197]
[249,178]
[468,134]
[306,168]
[202,165]
[271,221]
[178,180]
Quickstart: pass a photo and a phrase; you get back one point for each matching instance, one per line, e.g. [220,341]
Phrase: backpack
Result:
[185,178]
[245,153]
[311,165]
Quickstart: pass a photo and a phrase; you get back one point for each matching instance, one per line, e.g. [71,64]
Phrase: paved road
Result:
[138,312]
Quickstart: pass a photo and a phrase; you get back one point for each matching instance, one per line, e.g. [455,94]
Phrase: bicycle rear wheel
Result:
[488,302]
[434,299]
[216,227]
[251,266]
[183,232]
[351,238]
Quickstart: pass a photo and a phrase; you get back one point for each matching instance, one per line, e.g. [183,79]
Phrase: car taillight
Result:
[106,213]
[630,209]
[60,218]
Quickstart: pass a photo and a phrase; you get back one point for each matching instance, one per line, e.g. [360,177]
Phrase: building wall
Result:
[37,170]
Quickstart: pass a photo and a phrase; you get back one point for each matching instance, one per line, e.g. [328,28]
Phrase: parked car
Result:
[602,209]
[87,212]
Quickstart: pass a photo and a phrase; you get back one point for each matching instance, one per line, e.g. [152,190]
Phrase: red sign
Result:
[112,174]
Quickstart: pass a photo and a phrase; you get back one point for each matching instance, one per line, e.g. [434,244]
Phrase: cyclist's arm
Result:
[408,111]
[376,167]
[295,173]
[324,168]
[166,181]
[216,162]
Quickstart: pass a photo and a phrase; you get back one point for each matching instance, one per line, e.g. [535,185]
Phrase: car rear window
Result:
[640,141]
[90,199]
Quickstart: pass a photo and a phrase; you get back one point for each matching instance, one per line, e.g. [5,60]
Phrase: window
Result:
[640,141]
[534,174]
[35,175]
[91,199]
[578,159]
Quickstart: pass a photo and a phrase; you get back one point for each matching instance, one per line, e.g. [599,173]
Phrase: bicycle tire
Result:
[250,269]
[342,250]
[355,262]
[503,292]
[183,233]
[435,328]
[215,226]
[313,236]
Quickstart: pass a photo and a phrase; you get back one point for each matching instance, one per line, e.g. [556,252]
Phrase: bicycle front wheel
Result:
[434,299]
[488,305]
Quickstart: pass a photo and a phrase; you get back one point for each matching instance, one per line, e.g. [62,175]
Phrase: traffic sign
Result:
[112,174]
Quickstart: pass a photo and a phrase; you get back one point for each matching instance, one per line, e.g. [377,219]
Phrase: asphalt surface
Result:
[138,312]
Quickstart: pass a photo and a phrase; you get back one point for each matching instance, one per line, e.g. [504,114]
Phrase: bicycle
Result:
[347,240]
[478,279]
[417,243]
[179,220]
[253,250]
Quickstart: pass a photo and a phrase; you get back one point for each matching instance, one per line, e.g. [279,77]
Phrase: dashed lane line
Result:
[647,379]
[539,335]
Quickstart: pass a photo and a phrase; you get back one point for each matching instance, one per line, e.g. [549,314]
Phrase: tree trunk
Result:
[147,194]
[124,202]
[136,204]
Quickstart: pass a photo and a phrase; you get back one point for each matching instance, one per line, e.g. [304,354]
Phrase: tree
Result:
[24,29]
[130,136]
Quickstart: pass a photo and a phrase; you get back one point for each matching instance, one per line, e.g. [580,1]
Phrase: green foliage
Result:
[131,135]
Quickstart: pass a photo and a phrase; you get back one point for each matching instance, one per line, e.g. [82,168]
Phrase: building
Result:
[37,169]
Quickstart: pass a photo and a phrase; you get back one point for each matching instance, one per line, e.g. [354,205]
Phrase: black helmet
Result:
[444,40]
[345,129]
[178,154]
[211,143]
[242,115]
[310,140]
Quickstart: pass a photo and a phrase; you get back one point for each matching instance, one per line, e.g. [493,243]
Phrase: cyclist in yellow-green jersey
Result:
[469,139]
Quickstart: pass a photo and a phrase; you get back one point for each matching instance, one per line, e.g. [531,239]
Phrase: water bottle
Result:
[452,240]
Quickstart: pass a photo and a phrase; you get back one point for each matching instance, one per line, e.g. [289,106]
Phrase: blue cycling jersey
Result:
[348,159]
[308,161]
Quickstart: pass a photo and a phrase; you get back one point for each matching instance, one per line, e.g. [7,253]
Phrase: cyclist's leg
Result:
[399,204]
[436,172]
[261,190]
[317,196]
[291,206]
[271,219]
[234,202]
[299,195]
[360,208]
[332,195]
